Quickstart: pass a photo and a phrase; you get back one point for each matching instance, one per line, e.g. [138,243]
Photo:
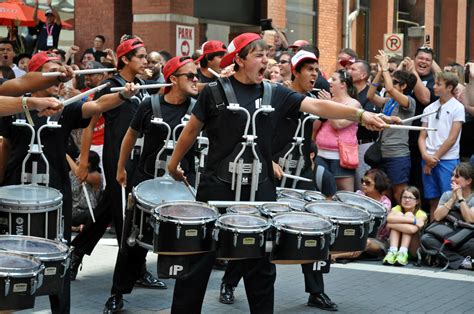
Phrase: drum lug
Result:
[157,227]
[371,224]
[299,240]
[7,286]
[262,239]
[204,231]
[333,235]
[215,234]
[132,238]
[323,242]
[66,263]
[178,231]
[277,237]
[236,235]
[34,283]
[362,231]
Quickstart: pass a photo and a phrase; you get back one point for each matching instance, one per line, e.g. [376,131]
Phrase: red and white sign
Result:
[393,44]
[184,40]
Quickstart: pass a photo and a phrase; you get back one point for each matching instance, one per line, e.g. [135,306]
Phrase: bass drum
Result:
[300,238]
[240,236]
[54,255]
[31,210]
[20,277]
[376,209]
[352,224]
[182,228]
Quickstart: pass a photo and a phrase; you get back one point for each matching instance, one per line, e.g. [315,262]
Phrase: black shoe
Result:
[113,304]
[227,294]
[76,261]
[151,282]
[322,301]
[220,264]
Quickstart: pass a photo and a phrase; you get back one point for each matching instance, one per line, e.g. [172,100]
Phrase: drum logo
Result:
[50,271]
[20,230]
[248,241]
[191,233]
[310,243]
[20,287]
[349,232]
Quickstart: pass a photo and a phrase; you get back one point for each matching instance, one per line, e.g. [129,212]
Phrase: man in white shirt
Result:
[7,53]
[440,149]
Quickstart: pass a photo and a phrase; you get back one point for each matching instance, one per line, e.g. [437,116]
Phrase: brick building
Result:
[330,24]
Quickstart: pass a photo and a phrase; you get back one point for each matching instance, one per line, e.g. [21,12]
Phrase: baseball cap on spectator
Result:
[211,46]
[172,66]
[39,59]
[94,65]
[127,46]
[301,56]
[298,43]
[48,12]
[236,45]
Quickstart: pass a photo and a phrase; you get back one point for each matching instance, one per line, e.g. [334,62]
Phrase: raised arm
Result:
[107,101]
[399,97]
[35,13]
[128,143]
[372,95]
[55,13]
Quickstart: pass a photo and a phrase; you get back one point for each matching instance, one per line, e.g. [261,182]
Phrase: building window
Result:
[301,20]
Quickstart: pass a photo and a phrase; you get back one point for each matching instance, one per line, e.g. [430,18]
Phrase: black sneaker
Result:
[76,261]
[151,282]
[113,304]
[322,301]
[227,294]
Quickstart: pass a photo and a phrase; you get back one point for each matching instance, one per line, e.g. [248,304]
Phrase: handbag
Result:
[373,155]
[348,155]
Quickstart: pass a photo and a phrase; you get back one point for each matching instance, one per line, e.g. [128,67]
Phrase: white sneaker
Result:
[467,263]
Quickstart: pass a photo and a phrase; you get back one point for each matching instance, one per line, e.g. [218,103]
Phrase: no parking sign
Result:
[184,40]
[393,44]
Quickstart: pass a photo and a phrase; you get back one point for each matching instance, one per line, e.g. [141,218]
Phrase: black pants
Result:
[129,266]
[233,273]
[259,277]
[455,257]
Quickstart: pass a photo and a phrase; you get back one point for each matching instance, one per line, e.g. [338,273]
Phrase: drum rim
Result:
[289,229]
[185,221]
[30,208]
[42,257]
[306,194]
[282,191]
[365,198]
[289,200]
[229,209]
[242,229]
[141,200]
[16,272]
[340,219]
[18,203]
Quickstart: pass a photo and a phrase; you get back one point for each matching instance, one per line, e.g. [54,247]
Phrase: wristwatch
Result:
[461,200]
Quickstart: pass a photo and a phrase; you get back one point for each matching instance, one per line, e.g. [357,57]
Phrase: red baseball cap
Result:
[41,58]
[211,46]
[301,56]
[299,43]
[128,45]
[236,46]
[172,66]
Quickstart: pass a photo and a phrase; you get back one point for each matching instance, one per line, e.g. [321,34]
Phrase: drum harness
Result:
[237,167]
[203,149]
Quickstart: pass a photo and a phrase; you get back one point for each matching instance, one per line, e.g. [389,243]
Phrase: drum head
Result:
[314,196]
[29,195]
[371,205]
[191,211]
[302,222]
[11,263]
[243,221]
[337,211]
[243,209]
[155,191]
[42,249]
[276,208]
[295,204]
[290,194]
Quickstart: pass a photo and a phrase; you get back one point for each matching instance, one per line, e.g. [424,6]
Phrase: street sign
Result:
[184,40]
[393,44]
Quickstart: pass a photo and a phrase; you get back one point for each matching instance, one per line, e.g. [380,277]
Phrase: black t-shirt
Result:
[117,121]
[322,83]
[205,79]
[97,54]
[42,33]
[156,134]
[225,129]
[362,132]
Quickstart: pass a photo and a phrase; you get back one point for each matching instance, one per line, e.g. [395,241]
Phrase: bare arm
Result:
[450,141]
[55,13]
[82,170]
[421,92]
[128,143]
[4,154]
[32,82]
[35,13]
[372,95]
[107,102]
[343,123]
[469,91]
[185,142]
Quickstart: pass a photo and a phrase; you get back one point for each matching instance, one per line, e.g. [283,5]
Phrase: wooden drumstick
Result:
[418,116]
[213,72]
[409,127]
[290,176]
[147,86]
[88,200]
[190,188]
[124,201]
[86,71]
[84,94]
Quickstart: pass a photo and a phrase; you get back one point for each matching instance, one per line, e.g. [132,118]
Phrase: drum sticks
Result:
[290,176]
[77,72]
[418,117]
[85,94]
[148,86]
[409,127]
[88,200]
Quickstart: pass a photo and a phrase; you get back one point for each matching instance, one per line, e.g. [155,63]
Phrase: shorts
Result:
[335,168]
[397,169]
[439,181]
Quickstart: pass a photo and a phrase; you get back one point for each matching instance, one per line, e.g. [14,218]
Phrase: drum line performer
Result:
[249,53]
[172,107]
[54,141]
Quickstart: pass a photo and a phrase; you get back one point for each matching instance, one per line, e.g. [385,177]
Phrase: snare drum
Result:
[20,277]
[240,236]
[295,204]
[376,209]
[300,238]
[182,228]
[351,223]
[311,196]
[243,209]
[271,209]
[54,255]
[289,193]
[148,195]
[32,210]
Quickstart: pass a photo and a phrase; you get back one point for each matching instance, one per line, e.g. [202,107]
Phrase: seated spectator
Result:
[94,185]
[405,222]
[458,202]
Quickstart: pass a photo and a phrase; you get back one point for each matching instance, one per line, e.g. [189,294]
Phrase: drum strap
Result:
[156,106]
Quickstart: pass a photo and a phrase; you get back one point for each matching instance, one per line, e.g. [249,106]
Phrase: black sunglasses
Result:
[283,61]
[189,76]
[425,49]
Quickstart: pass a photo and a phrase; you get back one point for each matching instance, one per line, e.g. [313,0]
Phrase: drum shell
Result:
[22,287]
[190,239]
[144,223]
[247,245]
[19,221]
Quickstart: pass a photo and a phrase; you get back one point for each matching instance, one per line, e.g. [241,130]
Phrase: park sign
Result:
[184,40]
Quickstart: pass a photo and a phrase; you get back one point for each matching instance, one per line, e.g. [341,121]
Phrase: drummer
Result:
[17,139]
[174,104]
[249,53]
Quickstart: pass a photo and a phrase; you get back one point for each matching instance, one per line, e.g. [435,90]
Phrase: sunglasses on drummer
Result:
[189,76]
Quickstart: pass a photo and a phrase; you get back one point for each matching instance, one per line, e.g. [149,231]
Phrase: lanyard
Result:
[49,31]
[390,107]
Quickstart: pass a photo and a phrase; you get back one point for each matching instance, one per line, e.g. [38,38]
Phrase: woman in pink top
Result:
[334,131]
